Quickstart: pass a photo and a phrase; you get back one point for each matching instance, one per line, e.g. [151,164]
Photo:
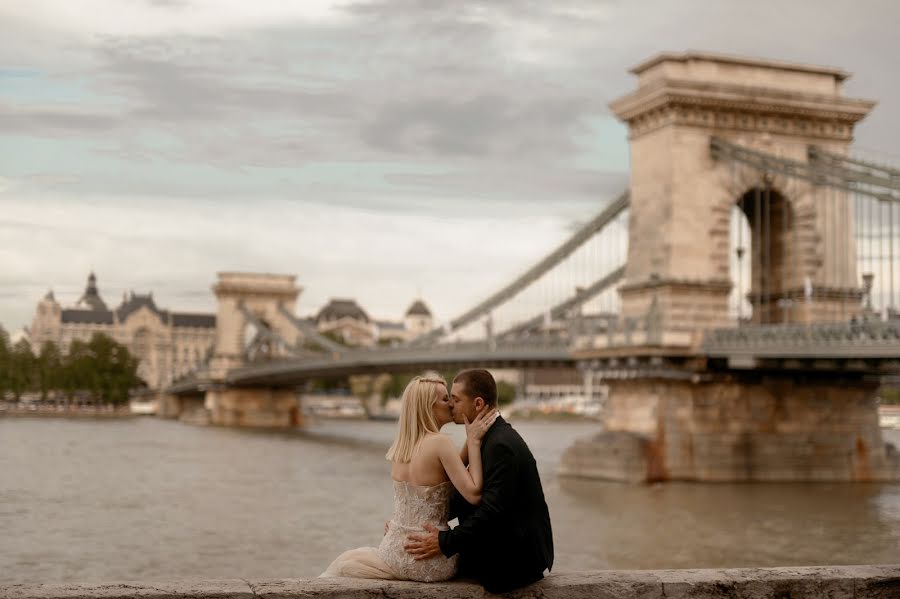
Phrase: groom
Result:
[506,542]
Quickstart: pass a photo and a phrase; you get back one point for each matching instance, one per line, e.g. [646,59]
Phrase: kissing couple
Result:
[503,539]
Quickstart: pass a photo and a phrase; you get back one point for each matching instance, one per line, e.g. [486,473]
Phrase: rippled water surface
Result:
[144,499]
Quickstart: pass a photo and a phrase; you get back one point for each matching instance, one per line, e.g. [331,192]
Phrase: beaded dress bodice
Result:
[414,506]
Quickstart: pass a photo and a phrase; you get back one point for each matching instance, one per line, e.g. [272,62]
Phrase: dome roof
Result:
[418,308]
[342,308]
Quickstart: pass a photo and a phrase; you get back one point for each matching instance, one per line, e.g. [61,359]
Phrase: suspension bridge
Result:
[739,299]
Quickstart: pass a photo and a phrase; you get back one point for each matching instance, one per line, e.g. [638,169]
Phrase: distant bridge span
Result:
[402,360]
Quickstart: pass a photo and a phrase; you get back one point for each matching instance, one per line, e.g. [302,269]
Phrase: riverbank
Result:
[838,582]
[37,411]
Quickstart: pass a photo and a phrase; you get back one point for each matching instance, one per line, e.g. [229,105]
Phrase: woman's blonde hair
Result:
[416,415]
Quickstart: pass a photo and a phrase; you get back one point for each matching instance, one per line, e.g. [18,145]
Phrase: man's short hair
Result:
[478,382]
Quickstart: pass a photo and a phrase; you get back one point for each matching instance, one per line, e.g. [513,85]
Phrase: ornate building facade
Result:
[168,344]
[171,344]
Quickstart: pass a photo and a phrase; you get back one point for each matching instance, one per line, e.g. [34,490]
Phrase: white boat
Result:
[142,407]
[889,417]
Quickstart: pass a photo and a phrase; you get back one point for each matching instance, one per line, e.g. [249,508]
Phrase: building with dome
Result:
[167,344]
[418,319]
[345,321]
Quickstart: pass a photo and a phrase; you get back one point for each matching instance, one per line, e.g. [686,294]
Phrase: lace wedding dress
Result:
[413,507]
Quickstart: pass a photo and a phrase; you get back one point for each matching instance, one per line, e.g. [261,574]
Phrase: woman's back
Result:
[421,495]
[425,468]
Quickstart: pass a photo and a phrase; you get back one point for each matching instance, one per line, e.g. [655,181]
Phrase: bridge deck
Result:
[461,355]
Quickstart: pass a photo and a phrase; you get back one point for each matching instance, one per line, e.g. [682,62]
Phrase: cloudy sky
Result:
[378,150]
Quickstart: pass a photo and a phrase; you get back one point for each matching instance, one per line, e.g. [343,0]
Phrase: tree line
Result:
[99,371]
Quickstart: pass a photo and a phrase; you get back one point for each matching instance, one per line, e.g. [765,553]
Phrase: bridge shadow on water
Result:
[700,525]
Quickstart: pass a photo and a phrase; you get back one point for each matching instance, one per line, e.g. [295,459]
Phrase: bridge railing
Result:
[616,331]
[853,339]
[522,344]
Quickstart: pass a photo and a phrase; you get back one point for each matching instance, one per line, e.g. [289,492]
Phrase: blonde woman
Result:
[424,465]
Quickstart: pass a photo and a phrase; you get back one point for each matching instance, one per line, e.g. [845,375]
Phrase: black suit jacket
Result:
[505,542]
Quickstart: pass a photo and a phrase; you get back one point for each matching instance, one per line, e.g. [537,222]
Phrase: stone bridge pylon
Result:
[253,322]
[252,318]
[676,410]
[683,199]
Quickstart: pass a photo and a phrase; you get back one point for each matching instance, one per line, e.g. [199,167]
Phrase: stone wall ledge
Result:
[831,582]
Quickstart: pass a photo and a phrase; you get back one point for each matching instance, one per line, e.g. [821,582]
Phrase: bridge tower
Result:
[713,139]
[682,198]
[252,322]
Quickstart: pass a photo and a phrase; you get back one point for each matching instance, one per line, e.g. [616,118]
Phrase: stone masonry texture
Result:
[825,582]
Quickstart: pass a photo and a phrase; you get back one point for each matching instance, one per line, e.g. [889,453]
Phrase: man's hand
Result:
[424,545]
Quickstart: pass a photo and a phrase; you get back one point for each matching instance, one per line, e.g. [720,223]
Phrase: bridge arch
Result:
[764,264]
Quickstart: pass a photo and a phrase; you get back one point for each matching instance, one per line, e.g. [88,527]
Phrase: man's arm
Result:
[497,497]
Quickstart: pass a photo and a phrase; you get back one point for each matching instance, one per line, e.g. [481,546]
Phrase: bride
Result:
[424,465]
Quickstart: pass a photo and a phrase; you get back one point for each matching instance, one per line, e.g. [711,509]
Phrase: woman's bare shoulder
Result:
[436,440]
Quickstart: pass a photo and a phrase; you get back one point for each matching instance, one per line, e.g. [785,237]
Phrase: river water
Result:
[146,499]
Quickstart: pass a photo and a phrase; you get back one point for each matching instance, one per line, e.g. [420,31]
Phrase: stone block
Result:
[211,589]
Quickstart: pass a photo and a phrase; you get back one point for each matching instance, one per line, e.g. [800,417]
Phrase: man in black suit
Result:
[505,542]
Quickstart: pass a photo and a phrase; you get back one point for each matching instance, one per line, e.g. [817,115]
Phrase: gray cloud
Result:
[55,122]
[405,107]
[415,89]
[483,126]
[499,91]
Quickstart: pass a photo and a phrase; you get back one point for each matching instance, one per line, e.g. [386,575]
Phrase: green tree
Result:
[21,371]
[4,363]
[506,393]
[48,369]
[889,394]
[76,366]
[114,371]
[395,386]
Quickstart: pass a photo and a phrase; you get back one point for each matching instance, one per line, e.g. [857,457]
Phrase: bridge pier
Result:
[736,427]
[254,323]
[253,407]
[168,405]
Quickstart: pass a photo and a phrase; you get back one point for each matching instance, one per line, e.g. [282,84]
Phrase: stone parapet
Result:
[834,582]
